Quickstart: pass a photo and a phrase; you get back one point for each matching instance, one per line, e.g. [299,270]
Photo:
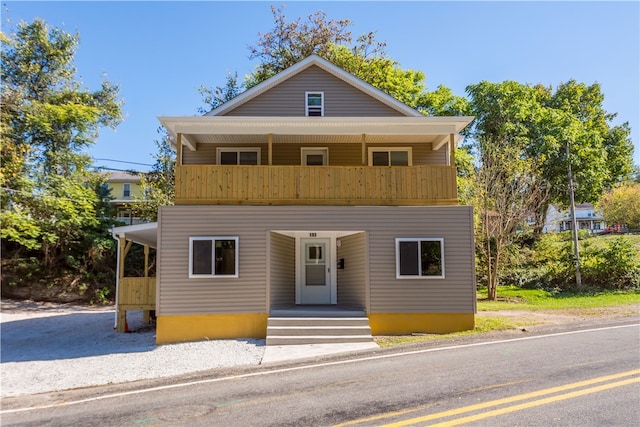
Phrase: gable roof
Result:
[326,66]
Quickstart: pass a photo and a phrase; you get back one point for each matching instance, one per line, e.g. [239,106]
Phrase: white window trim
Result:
[236,150]
[213,254]
[419,239]
[314,150]
[124,187]
[389,150]
[306,102]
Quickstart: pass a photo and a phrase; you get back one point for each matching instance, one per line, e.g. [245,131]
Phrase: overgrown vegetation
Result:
[609,262]
[54,215]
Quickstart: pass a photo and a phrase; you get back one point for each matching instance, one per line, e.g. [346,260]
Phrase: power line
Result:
[122,161]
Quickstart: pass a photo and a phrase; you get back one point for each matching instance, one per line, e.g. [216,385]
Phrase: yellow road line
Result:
[484,405]
[538,402]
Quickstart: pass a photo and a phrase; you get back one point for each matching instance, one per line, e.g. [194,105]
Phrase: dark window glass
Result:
[248,158]
[431,253]
[225,257]
[380,158]
[202,259]
[228,158]
[399,158]
[408,258]
[315,160]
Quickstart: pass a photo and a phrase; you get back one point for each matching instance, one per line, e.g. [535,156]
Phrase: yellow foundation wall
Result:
[174,329]
[406,323]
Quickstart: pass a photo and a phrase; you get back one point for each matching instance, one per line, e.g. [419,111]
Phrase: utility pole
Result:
[574,225]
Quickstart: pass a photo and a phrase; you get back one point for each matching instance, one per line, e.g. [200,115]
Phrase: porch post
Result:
[179,149]
[146,315]
[363,140]
[270,143]
[120,314]
[452,147]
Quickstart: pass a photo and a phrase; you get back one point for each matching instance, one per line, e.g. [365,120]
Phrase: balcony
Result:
[316,185]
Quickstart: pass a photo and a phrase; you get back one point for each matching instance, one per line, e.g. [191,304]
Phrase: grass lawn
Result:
[532,301]
[513,298]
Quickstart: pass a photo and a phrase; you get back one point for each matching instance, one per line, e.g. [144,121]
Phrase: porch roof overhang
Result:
[142,234]
[233,129]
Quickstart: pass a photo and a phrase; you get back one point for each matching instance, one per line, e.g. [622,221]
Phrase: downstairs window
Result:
[213,257]
[420,258]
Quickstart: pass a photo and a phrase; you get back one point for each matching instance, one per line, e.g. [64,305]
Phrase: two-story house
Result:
[314,189]
[125,189]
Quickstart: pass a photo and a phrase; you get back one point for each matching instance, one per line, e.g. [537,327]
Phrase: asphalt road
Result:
[587,377]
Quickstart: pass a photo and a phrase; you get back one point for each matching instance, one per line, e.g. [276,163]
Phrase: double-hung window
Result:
[420,258]
[314,103]
[126,190]
[382,156]
[213,256]
[238,156]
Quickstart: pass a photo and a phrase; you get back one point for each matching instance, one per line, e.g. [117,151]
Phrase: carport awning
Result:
[142,234]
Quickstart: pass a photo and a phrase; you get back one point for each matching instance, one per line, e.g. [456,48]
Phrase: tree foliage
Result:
[291,42]
[621,205]
[537,126]
[51,205]
[158,185]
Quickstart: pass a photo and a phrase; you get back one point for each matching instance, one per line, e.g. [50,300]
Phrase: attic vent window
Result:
[314,103]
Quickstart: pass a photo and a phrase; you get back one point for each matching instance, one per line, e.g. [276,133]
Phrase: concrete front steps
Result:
[317,330]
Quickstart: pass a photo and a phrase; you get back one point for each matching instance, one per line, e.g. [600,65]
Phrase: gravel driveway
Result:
[48,347]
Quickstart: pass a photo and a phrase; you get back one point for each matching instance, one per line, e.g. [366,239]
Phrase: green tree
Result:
[215,97]
[158,185]
[508,188]
[573,117]
[49,202]
[291,42]
[621,205]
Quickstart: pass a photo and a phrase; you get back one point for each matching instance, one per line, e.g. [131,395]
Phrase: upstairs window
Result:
[314,103]
[400,156]
[238,156]
[126,190]
[420,258]
[213,257]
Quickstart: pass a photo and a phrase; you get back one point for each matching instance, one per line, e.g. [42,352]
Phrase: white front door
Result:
[315,271]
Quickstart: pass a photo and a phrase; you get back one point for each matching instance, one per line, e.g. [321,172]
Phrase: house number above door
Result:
[313,234]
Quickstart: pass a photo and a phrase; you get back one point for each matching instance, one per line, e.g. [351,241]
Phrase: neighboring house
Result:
[125,189]
[313,189]
[587,217]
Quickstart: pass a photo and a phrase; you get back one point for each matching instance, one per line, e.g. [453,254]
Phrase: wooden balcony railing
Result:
[320,185]
[137,293]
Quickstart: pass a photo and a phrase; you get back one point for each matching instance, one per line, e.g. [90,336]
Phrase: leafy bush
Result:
[611,263]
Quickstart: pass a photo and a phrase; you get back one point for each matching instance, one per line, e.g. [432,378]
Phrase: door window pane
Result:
[315,160]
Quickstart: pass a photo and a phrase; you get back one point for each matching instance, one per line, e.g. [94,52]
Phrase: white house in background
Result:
[587,216]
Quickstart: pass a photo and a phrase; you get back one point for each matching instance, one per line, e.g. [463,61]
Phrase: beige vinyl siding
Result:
[181,295]
[283,269]
[288,98]
[449,295]
[352,285]
[339,154]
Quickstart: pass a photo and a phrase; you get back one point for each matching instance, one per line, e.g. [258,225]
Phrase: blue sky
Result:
[161,52]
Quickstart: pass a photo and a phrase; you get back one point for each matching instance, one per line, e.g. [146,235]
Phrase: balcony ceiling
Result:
[313,130]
